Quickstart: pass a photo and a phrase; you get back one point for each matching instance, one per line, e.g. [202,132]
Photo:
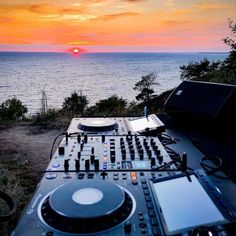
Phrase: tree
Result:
[75,104]
[12,110]
[220,72]
[145,87]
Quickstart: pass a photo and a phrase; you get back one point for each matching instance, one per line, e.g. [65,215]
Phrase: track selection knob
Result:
[87,165]
[96,165]
[66,165]
[77,165]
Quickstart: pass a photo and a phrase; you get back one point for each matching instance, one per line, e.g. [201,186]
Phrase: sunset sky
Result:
[115,25]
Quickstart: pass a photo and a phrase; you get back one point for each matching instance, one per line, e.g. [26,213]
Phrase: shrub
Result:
[75,104]
[12,110]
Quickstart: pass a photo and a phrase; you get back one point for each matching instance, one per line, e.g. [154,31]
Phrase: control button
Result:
[115,174]
[151,213]
[90,175]
[149,205]
[81,175]
[135,182]
[127,227]
[66,176]
[140,213]
[115,177]
[103,174]
[143,181]
[145,186]
[142,225]
[146,192]
[156,231]
[141,218]
[49,233]
[51,176]
[148,198]
[143,231]
[55,165]
[154,222]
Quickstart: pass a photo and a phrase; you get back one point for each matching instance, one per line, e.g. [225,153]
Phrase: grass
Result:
[19,181]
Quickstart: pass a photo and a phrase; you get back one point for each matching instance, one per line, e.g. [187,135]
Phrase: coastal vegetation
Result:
[216,71]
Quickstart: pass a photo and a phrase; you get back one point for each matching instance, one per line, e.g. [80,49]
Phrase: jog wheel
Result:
[89,206]
[98,125]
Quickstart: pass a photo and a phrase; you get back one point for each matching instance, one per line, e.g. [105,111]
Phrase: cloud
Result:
[134,1]
[212,6]
[117,15]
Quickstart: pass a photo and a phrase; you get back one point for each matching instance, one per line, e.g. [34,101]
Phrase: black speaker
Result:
[194,100]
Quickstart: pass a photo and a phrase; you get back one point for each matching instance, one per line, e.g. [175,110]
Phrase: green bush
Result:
[112,106]
[12,110]
[75,104]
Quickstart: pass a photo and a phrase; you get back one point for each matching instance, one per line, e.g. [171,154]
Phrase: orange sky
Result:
[115,25]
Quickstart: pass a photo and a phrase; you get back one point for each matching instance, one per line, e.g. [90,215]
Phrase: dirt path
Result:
[31,145]
[24,156]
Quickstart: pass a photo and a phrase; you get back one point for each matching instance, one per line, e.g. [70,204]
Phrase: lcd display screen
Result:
[185,205]
[142,123]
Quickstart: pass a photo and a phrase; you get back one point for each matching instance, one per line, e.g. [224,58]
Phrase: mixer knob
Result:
[81,146]
[141,151]
[77,165]
[132,156]
[78,138]
[160,158]
[149,153]
[96,165]
[141,156]
[92,158]
[85,138]
[87,165]
[153,161]
[92,150]
[113,158]
[61,150]
[66,165]
[79,155]
[157,152]
[103,138]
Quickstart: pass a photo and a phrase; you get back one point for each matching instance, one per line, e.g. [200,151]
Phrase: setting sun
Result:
[75,50]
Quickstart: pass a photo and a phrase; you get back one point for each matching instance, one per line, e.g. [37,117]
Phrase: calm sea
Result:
[97,75]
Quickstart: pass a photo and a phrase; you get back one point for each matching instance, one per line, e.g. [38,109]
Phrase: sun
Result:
[75,50]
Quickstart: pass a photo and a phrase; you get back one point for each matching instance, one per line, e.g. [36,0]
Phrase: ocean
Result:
[97,75]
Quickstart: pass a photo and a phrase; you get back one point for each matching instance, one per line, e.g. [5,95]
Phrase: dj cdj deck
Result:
[113,176]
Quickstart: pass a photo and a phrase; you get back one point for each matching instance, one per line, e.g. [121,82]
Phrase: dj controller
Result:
[107,178]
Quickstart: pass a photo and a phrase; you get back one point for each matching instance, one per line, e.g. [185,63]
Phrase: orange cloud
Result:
[117,15]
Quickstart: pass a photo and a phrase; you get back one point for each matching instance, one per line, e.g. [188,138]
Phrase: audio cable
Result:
[11,205]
